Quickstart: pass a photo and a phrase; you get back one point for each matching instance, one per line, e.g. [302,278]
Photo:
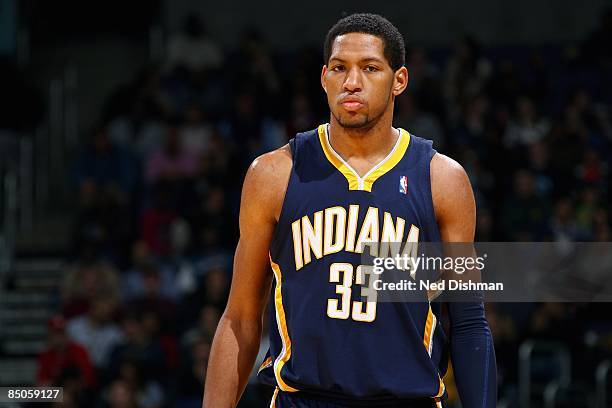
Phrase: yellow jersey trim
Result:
[336,160]
[274,396]
[428,335]
[266,363]
[430,326]
[366,182]
[441,388]
[281,322]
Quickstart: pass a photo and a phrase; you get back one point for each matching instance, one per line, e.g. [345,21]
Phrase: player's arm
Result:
[238,334]
[472,352]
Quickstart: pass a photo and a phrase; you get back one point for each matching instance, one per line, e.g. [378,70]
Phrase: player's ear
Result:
[323,72]
[400,82]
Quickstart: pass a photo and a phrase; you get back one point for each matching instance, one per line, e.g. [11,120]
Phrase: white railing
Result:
[602,378]
[556,352]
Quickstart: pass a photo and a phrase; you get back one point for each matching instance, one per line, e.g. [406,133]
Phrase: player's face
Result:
[359,82]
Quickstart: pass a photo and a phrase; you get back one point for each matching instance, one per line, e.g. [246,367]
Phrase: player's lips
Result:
[352,103]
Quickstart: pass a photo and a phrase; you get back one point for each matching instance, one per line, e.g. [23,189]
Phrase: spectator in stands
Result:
[526,127]
[425,82]
[61,356]
[524,213]
[212,291]
[96,330]
[76,390]
[246,125]
[139,347]
[206,326]
[593,118]
[566,148]
[86,281]
[69,400]
[135,111]
[172,163]
[505,334]
[603,230]
[102,222]
[481,178]
[587,207]
[193,49]
[190,383]
[219,163]
[302,115]
[148,393]
[592,170]
[466,75]
[119,394]
[196,131]
[152,299]
[216,284]
[143,264]
[212,222]
[555,321]
[539,165]
[253,67]
[156,221]
[563,225]
[180,262]
[505,85]
[165,336]
[484,226]
[471,127]
[105,176]
[106,167]
[412,118]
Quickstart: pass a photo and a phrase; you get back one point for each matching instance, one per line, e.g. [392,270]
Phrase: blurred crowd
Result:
[158,186]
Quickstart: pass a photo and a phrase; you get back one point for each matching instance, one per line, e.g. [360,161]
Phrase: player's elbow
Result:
[241,321]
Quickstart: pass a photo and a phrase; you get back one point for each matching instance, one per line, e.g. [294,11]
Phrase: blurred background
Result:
[126,129]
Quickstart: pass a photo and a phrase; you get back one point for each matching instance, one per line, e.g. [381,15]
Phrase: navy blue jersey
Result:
[324,339]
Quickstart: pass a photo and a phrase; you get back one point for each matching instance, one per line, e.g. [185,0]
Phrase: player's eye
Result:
[370,68]
[338,68]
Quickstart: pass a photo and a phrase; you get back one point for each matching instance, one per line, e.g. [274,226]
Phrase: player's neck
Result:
[371,143]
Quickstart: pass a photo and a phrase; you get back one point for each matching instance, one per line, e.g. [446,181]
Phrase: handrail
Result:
[602,375]
[56,125]
[26,184]
[41,170]
[34,164]
[550,394]
[9,223]
[525,354]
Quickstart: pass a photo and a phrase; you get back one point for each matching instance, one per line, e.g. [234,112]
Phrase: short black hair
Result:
[374,24]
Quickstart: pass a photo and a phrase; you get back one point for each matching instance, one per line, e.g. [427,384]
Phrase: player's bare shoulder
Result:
[450,186]
[266,180]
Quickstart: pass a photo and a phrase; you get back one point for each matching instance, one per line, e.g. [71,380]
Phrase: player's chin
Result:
[353,119]
[354,123]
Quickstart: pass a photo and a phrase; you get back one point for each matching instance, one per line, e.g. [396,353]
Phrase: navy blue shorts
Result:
[282,399]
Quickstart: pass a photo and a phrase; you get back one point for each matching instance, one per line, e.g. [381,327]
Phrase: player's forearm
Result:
[473,355]
[232,356]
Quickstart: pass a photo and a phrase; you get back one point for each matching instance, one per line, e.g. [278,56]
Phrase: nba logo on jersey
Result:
[403,186]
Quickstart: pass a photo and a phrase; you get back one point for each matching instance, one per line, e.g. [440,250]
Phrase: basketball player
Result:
[307,209]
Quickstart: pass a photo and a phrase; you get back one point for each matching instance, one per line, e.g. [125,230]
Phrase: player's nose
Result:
[352,81]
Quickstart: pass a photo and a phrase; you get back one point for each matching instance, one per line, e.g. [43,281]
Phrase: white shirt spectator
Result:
[194,53]
[99,340]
